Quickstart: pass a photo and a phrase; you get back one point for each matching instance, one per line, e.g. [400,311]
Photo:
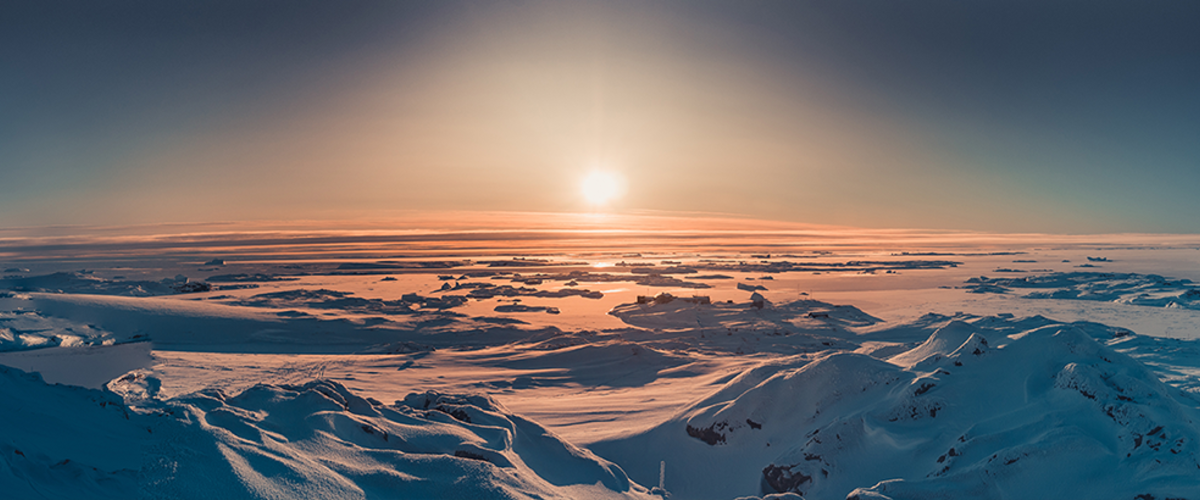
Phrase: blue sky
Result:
[1070,117]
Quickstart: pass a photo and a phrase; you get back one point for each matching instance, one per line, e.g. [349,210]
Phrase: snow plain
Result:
[689,370]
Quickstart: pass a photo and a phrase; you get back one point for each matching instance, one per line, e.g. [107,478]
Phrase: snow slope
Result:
[976,411]
[316,440]
[205,326]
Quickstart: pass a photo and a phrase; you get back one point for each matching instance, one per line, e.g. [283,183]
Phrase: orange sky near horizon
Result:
[466,234]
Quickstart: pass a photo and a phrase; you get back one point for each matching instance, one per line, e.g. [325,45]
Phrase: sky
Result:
[1060,117]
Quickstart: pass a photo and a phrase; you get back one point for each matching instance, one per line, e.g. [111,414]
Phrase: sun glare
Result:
[601,187]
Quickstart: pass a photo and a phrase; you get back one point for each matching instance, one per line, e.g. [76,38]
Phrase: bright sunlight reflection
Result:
[601,187]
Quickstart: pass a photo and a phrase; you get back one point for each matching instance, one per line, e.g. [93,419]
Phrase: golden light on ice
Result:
[601,187]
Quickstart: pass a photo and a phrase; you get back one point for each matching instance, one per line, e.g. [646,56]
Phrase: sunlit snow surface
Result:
[1046,371]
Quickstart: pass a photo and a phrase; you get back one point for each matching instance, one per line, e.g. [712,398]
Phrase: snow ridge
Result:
[315,440]
[991,408]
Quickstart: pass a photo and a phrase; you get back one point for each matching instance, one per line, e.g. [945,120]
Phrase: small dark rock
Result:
[782,479]
[457,413]
[470,455]
[708,434]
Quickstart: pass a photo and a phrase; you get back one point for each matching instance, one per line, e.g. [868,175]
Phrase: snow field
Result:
[278,391]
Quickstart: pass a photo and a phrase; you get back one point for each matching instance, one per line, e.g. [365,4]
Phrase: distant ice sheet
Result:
[1149,290]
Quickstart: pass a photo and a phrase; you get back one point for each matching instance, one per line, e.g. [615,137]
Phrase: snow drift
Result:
[973,412]
[316,440]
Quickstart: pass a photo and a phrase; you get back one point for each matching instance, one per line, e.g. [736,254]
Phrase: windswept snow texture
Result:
[1149,290]
[990,408]
[316,440]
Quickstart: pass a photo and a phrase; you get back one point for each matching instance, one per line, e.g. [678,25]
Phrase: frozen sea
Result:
[586,365]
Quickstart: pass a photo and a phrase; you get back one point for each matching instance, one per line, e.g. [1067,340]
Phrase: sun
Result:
[600,187]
